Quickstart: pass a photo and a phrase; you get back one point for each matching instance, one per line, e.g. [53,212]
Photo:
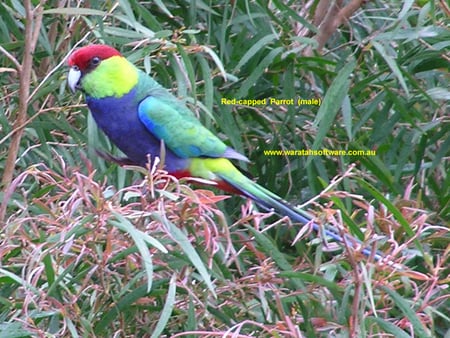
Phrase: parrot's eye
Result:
[95,61]
[75,67]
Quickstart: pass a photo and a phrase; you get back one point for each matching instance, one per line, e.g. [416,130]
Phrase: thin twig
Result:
[334,182]
[12,58]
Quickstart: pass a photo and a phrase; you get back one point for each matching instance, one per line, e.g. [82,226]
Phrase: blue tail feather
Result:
[272,202]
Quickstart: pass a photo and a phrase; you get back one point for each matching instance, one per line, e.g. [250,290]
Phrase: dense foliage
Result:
[89,249]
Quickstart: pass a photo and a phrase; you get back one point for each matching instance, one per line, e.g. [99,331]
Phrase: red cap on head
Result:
[82,57]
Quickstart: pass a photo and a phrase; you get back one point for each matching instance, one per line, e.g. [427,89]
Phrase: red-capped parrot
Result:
[137,113]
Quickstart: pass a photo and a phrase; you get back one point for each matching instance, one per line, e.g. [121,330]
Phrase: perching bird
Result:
[137,113]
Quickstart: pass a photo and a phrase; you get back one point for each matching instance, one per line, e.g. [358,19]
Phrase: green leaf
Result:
[216,60]
[392,65]
[406,307]
[188,69]
[141,240]
[257,72]
[347,116]
[13,330]
[124,303]
[307,277]
[185,245]
[207,77]
[258,46]
[331,103]
[405,9]
[167,309]
[163,8]
[387,327]
[75,11]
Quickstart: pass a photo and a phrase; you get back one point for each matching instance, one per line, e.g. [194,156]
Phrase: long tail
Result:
[271,202]
[224,170]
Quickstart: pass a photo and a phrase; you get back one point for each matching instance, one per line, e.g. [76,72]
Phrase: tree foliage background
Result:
[89,249]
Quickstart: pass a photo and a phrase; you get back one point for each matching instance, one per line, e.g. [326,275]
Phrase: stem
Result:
[33,21]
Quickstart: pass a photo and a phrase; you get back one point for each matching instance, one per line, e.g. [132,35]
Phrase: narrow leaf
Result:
[406,307]
[387,327]
[255,48]
[167,309]
[216,60]
[258,71]
[184,243]
[140,239]
[392,65]
[331,103]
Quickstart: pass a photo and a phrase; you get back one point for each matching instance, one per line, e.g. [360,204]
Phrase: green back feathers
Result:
[147,86]
[114,76]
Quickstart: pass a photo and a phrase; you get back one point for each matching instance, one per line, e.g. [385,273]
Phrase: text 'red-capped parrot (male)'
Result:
[137,113]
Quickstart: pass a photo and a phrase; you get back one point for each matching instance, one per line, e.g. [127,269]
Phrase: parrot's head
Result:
[101,71]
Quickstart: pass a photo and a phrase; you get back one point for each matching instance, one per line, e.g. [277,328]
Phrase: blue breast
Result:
[119,120]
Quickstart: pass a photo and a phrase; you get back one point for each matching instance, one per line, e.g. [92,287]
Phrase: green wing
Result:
[183,134]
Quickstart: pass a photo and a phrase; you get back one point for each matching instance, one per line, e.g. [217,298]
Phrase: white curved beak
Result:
[73,79]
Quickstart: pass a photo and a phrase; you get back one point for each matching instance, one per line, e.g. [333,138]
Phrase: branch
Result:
[12,58]
[329,16]
[33,21]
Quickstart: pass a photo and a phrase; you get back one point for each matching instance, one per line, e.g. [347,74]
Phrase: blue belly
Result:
[119,120]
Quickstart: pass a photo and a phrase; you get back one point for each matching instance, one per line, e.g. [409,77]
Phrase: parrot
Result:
[139,115]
